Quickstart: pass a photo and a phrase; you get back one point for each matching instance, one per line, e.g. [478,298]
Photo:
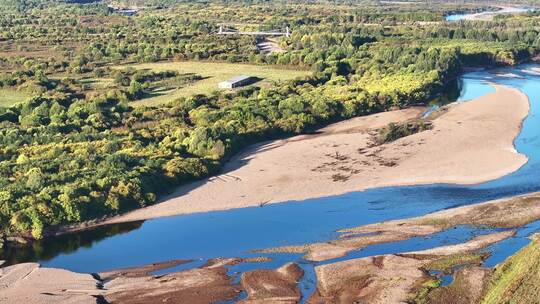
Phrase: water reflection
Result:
[46,249]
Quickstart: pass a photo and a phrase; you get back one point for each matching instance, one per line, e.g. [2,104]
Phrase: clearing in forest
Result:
[212,73]
[9,97]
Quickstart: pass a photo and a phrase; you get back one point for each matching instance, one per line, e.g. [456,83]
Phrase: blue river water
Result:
[235,233]
[508,10]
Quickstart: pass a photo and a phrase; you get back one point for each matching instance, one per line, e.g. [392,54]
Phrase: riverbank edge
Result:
[111,219]
[117,219]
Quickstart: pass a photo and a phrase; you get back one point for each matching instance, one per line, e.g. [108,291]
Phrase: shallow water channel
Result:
[234,233]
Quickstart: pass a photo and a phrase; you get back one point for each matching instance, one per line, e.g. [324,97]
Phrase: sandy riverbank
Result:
[470,143]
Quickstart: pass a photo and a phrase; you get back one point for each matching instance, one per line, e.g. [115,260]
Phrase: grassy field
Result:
[10,97]
[212,73]
[97,84]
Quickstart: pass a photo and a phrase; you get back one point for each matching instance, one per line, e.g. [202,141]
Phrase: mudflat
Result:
[469,143]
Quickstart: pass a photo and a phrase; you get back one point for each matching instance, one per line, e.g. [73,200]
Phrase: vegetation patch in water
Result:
[431,291]
[423,291]
[447,263]
[395,131]
[465,289]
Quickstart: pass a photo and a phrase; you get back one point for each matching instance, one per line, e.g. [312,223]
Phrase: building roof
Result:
[237,79]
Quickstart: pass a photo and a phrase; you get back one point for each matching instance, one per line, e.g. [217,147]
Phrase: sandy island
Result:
[470,143]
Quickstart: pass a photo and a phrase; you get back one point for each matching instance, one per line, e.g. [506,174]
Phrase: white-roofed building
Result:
[235,82]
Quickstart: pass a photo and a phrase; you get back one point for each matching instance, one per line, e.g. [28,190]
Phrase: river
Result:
[234,233]
[476,16]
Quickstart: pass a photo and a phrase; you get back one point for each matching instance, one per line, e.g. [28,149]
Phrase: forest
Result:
[70,153]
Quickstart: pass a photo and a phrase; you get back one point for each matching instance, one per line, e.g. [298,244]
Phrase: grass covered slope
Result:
[517,280]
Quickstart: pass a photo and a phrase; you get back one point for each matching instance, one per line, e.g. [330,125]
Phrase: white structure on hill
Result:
[235,82]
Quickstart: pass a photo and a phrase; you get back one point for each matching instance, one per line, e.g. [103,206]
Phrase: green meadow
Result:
[212,74]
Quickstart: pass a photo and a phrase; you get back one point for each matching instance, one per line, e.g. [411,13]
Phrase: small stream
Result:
[235,233]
